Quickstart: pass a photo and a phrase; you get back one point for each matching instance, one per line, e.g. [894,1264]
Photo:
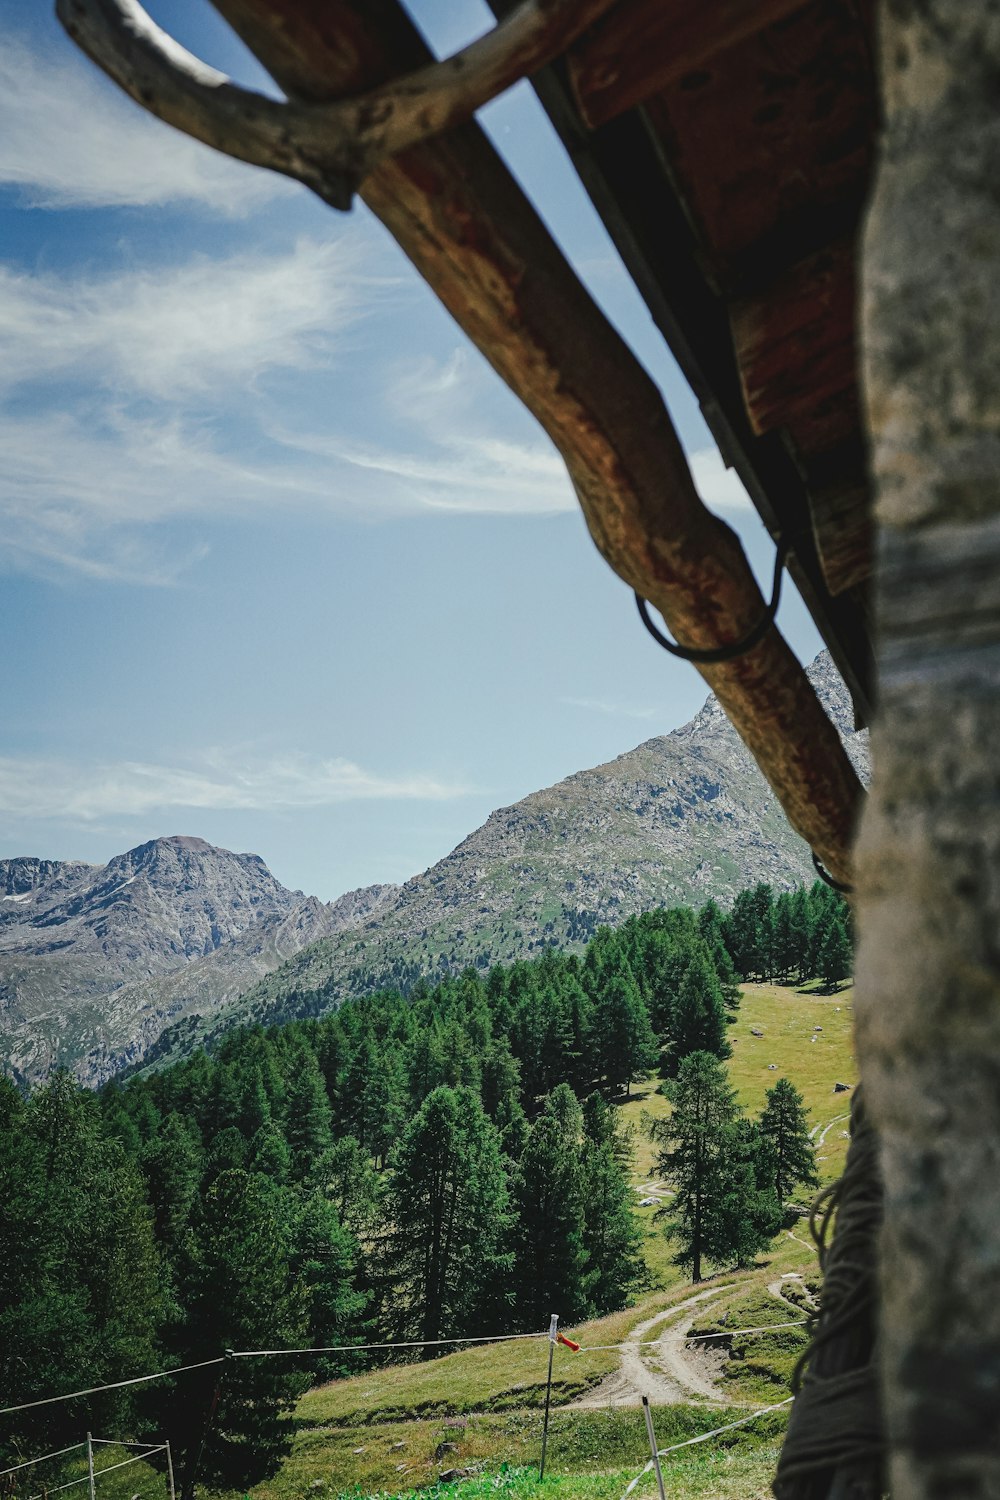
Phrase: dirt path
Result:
[666,1371]
[820,1137]
[670,1370]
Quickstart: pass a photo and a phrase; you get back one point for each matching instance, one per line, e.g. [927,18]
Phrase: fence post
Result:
[652,1446]
[90,1465]
[553,1326]
[170,1470]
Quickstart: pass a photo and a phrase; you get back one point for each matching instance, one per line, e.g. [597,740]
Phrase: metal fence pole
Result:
[90,1465]
[553,1326]
[170,1470]
[652,1446]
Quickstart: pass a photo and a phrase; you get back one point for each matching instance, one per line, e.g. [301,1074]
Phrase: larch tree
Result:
[698,1019]
[784,1124]
[551,1255]
[692,1145]
[447,1204]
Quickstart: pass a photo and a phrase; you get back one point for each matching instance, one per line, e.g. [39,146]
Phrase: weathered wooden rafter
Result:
[463,221]
[648,44]
[329,147]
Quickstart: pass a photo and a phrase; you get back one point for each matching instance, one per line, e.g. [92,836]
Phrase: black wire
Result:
[824,875]
[737,648]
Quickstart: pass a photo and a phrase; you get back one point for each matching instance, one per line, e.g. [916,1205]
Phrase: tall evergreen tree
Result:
[612,1236]
[324,1257]
[835,958]
[551,1256]
[241,1294]
[784,1124]
[307,1115]
[625,1046]
[744,1211]
[692,1154]
[448,1208]
[698,1023]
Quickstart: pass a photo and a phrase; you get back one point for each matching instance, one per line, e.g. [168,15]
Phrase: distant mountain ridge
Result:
[172,944]
[91,955]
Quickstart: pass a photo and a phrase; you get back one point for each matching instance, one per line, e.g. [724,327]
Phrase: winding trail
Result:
[678,1372]
[671,1371]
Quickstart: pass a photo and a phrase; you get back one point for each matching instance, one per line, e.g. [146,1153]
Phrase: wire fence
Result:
[150,1448]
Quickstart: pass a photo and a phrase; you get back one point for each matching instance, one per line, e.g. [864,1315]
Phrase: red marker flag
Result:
[562,1339]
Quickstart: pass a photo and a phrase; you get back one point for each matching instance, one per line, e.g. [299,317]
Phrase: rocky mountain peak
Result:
[96,962]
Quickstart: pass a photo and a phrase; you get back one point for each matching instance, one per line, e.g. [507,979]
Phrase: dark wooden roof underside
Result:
[728,148]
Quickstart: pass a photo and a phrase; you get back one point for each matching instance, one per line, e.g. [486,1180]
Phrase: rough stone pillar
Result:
[928,863]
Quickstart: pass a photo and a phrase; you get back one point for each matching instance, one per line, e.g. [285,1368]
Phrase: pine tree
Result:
[698,1022]
[447,1203]
[625,1046]
[692,1154]
[835,957]
[786,950]
[784,1124]
[612,1236]
[744,1211]
[172,1165]
[325,1257]
[241,1293]
[307,1115]
[551,1257]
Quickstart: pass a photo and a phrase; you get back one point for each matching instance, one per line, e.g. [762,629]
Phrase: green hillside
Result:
[395,1430]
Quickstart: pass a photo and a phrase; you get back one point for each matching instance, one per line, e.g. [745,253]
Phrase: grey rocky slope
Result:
[95,960]
[175,942]
[684,817]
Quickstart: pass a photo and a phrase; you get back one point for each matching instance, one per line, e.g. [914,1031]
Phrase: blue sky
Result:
[282,563]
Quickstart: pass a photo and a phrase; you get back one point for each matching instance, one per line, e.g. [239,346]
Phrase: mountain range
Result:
[170,944]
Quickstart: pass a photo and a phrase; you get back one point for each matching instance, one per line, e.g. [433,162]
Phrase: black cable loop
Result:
[710,654]
[827,878]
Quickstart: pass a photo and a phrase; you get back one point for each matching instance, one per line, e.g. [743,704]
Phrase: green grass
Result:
[590,1455]
[759,1367]
[493,1377]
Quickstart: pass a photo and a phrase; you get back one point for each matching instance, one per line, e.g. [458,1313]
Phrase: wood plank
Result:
[770,146]
[642,47]
[796,348]
[468,228]
[845,533]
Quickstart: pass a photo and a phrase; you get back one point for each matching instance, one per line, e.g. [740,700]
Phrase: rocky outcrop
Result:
[95,960]
[684,817]
[175,942]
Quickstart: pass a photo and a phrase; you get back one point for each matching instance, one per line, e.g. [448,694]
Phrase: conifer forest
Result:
[416,1167]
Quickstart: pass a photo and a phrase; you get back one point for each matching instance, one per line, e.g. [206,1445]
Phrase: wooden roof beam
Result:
[648,44]
[328,147]
[469,229]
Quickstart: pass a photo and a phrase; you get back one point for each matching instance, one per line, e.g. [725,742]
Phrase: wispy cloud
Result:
[60,789]
[69,139]
[604,706]
[175,332]
[457,460]
[130,397]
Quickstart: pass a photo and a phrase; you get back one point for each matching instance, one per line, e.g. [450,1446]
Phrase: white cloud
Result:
[176,332]
[62,789]
[719,487]
[70,139]
[92,499]
[604,706]
[135,398]
[457,461]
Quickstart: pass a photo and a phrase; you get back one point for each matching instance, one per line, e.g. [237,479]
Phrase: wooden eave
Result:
[728,149]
